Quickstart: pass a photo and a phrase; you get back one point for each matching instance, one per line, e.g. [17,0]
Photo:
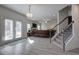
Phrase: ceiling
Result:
[39,11]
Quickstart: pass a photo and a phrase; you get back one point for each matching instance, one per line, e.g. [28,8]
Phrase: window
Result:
[28,27]
[18,29]
[8,29]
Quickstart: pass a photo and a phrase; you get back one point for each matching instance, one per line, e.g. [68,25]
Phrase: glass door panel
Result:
[18,29]
[8,29]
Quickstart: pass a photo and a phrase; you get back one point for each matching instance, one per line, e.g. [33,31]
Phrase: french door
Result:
[18,29]
[10,32]
[8,29]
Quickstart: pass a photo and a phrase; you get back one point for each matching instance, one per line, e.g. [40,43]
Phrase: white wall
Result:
[49,25]
[43,26]
[6,13]
[74,42]
[63,14]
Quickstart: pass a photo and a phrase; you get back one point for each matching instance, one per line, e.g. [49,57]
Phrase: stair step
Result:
[59,41]
[57,44]
[59,37]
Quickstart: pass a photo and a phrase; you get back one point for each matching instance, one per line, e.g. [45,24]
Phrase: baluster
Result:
[50,36]
[63,41]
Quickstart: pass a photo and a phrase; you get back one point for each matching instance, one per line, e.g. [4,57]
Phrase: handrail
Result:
[61,22]
[57,25]
[68,25]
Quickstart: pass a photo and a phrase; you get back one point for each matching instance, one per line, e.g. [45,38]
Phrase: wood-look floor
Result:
[34,46]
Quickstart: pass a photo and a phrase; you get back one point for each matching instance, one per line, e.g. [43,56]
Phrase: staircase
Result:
[62,38]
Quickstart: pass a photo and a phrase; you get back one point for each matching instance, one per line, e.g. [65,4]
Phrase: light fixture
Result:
[29,14]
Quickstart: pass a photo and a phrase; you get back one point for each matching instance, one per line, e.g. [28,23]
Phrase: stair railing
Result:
[65,20]
[65,35]
[57,25]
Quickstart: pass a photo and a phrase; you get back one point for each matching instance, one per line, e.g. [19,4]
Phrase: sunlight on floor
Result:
[30,41]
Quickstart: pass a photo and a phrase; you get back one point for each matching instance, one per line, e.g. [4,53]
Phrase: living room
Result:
[43,21]
[25,31]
